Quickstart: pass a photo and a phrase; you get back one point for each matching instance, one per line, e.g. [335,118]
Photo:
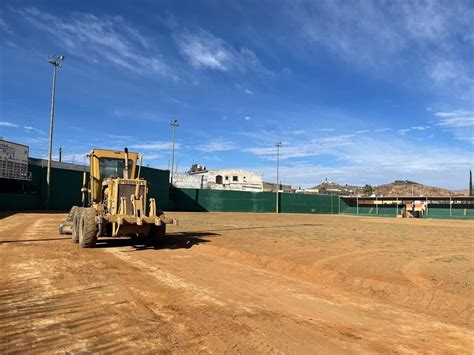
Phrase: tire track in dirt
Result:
[170,280]
[428,299]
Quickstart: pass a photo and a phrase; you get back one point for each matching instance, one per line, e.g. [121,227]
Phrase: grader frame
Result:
[116,198]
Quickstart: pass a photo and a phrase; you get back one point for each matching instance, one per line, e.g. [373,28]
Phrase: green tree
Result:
[368,190]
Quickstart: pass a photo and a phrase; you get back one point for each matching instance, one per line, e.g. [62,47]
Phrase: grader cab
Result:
[117,202]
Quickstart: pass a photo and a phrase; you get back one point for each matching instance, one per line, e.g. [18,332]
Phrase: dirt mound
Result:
[336,272]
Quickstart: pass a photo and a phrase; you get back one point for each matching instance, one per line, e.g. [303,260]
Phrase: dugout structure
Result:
[455,207]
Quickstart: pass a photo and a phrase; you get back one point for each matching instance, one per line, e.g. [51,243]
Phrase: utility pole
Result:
[471,193]
[174,124]
[55,61]
[60,154]
[278,146]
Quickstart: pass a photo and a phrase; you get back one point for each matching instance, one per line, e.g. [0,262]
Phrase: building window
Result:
[219,179]
[235,178]
[227,178]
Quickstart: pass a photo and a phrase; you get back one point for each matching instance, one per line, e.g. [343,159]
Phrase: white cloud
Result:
[457,122]
[247,118]
[445,71]
[122,137]
[8,124]
[298,131]
[401,36]
[148,157]
[218,145]
[315,147]
[374,160]
[344,27]
[77,157]
[410,129]
[456,119]
[250,92]
[404,130]
[206,51]
[96,39]
[33,129]
[156,145]
[427,20]
[4,27]
[136,114]
[455,113]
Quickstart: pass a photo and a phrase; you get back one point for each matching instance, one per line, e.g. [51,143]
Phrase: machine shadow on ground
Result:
[181,240]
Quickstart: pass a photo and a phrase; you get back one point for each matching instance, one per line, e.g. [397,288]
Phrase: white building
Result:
[220,179]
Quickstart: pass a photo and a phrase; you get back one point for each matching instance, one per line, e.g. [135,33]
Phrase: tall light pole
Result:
[278,146]
[174,124]
[55,61]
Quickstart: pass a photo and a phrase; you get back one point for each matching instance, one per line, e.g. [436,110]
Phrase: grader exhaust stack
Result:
[117,204]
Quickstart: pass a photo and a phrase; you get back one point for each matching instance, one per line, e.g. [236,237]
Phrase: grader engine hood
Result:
[121,194]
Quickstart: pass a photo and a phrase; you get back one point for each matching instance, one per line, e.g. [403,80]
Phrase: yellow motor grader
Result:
[117,202]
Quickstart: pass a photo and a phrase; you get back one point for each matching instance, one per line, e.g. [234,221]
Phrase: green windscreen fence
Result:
[66,187]
[158,186]
[244,201]
[457,211]
[222,201]
[66,192]
[350,206]
[300,203]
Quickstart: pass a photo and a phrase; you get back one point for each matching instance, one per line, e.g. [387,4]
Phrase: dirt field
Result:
[241,283]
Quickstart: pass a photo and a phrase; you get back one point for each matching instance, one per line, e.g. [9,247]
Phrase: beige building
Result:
[199,177]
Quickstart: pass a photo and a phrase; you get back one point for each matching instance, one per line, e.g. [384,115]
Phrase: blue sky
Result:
[359,92]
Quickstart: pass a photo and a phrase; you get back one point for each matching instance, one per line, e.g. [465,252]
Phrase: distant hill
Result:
[396,188]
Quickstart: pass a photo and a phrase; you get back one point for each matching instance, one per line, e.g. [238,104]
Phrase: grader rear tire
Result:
[76,219]
[88,228]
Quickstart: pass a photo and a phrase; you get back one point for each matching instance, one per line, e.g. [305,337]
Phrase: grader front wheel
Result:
[87,228]
[76,219]
[66,226]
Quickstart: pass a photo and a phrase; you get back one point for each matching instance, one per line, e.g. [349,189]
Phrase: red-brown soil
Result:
[241,283]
